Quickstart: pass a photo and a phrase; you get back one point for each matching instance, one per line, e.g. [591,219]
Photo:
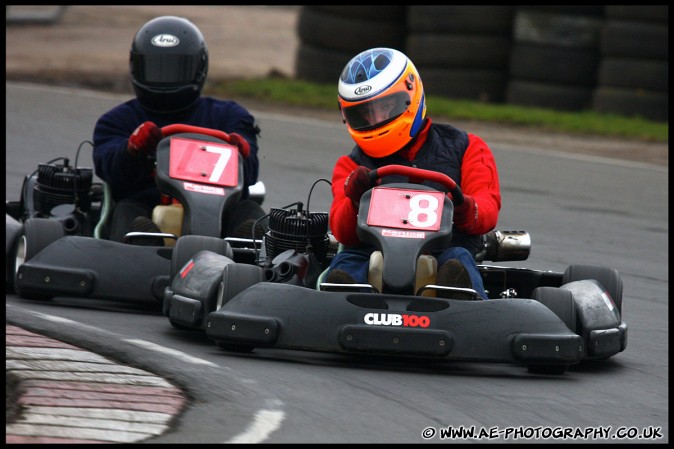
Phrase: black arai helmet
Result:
[168,63]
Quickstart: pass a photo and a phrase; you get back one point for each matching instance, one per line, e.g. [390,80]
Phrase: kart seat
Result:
[426,273]
[106,211]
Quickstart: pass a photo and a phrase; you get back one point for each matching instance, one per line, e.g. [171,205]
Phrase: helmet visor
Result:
[165,69]
[376,113]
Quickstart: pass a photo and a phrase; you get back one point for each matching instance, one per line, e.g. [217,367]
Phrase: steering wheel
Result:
[177,128]
[417,176]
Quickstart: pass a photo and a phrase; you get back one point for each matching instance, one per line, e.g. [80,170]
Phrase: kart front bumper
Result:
[292,317]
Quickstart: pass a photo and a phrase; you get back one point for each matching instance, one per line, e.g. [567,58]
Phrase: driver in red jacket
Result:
[383,105]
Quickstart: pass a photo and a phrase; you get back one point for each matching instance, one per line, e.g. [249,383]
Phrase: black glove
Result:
[357,183]
[144,139]
[465,215]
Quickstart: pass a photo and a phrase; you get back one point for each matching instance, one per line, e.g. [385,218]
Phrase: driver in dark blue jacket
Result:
[168,65]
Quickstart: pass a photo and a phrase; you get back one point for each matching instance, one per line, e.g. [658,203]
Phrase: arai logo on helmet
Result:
[362,90]
[165,40]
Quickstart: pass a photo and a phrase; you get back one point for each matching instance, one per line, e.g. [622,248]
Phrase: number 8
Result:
[417,210]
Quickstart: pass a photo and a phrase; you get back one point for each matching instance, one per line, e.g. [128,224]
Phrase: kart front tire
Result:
[560,302]
[188,245]
[236,278]
[36,235]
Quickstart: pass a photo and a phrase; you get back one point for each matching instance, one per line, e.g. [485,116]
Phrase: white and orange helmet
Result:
[382,100]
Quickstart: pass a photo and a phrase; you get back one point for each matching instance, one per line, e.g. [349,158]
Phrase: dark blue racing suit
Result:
[132,179]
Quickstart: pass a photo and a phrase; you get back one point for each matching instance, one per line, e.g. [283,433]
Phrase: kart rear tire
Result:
[609,278]
[36,235]
[188,245]
[560,302]
[236,278]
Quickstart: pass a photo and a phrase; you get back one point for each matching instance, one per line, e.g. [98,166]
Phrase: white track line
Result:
[173,352]
[266,422]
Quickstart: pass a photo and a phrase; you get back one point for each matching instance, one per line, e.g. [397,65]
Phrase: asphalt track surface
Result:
[56,407]
[568,204]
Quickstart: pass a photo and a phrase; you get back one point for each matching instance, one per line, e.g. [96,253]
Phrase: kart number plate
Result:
[204,162]
[405,209]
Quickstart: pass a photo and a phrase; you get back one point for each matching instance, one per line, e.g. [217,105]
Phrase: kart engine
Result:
[297,230]
[61,192]
[297,244]
[61,184]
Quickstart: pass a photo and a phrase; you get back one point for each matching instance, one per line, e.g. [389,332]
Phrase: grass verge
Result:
[322,96]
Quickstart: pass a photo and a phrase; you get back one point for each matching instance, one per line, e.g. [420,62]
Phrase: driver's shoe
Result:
[245,229]
[338,276]
[144,224]
[453,274]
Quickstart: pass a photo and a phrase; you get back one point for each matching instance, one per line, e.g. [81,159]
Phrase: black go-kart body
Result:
[56,241]
[541,319]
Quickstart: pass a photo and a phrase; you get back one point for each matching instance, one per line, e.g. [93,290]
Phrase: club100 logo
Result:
[395,319]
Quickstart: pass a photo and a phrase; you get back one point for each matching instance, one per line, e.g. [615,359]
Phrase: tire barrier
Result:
[554,56]
[461,51]
[34,15]
[330,35]
[606,58]
[633,76]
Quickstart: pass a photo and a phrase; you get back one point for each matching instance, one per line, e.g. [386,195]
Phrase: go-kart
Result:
[544,320]
[57,239]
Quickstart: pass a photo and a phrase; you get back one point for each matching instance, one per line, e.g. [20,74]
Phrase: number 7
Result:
[225,154]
